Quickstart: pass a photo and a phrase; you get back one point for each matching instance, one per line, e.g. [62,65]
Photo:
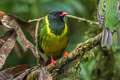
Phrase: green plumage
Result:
[53,35]
[108,16]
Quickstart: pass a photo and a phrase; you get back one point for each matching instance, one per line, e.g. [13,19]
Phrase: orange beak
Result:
[63,14]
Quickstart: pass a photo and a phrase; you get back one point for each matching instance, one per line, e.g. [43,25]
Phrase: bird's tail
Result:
[106,38]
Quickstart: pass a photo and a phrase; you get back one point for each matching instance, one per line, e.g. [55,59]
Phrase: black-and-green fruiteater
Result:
[53,36]
[109,18]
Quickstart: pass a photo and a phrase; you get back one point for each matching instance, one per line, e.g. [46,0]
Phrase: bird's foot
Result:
[52,62]
[65,54]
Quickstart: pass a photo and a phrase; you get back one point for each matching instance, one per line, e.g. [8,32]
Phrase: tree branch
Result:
[83,19]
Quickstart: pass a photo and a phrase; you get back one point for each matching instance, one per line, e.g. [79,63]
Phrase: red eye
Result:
[63,14]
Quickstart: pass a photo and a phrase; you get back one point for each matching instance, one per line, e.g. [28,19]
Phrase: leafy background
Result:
[102,64]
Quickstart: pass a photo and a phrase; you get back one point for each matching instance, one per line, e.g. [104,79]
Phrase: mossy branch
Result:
[79,51]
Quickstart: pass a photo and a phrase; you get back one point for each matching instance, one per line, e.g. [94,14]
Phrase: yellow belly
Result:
[53,46]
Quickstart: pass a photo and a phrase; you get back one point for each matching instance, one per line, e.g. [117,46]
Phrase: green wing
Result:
[40,39]
[40,35]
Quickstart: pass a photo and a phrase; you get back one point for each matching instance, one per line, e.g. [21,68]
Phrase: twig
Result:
[83,19]
[36,20]
[36,35]
[70,16]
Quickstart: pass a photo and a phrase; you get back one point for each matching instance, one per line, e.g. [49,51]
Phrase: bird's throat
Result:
[56,26]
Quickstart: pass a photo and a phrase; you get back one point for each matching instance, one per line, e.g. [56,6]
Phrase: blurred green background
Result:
[102,65]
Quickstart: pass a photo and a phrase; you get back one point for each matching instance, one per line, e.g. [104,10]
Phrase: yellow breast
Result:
[53,44]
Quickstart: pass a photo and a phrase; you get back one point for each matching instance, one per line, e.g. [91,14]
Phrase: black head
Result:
[56,21]
[57,15]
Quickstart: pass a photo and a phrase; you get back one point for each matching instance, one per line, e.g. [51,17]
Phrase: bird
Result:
[53,36]
[109,19]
